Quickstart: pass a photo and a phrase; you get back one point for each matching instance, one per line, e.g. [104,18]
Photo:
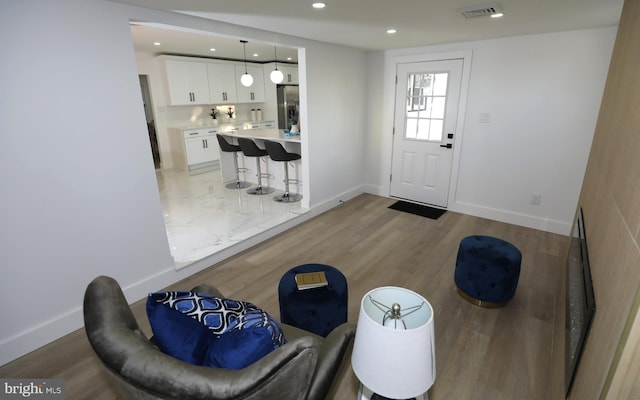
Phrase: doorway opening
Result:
[201,216]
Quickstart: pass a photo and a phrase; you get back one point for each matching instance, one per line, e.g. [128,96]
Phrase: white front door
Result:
[426,111]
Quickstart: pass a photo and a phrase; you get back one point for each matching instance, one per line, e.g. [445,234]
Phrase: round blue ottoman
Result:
[318,310]
[487,270]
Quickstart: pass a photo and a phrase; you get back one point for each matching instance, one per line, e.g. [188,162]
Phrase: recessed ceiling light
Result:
[255,54]
[212,49]
[391,31]
[156,43]
[289,59]
[497,15]
[319,4]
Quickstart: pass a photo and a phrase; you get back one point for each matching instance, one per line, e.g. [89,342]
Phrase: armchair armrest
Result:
[333,354]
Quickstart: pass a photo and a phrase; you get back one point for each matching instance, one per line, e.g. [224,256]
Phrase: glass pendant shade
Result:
[246,79]
[276,76]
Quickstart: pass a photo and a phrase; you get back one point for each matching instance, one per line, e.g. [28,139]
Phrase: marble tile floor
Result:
[203,217]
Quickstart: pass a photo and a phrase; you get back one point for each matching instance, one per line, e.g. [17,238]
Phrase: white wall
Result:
[336,109]
[543,93]
[79,194]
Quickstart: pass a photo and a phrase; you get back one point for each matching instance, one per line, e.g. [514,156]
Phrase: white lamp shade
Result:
[276,76]
[246,79]
[395,363]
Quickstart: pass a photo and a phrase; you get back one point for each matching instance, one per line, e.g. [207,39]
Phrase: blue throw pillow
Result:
[212,331]
[239,349]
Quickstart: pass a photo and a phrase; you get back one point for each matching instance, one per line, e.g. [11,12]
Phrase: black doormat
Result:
[417,209]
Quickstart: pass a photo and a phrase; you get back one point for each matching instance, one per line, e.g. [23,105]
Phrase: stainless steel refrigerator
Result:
[288,106]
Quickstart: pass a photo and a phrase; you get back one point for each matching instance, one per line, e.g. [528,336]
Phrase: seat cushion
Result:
[211,331]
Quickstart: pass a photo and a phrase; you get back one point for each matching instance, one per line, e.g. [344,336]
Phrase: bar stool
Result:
[232,148]
[278,153]
[250,149]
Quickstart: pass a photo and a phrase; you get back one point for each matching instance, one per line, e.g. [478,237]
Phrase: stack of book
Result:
[311,280]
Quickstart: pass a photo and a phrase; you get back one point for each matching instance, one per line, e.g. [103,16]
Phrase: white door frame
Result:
[392,59]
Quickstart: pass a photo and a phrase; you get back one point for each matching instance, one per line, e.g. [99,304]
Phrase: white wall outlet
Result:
[484,118]
[536,198]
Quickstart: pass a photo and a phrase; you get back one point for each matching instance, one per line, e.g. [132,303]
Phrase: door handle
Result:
[448,145]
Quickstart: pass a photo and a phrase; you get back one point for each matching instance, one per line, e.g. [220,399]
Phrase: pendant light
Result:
[246,79]
[276,75]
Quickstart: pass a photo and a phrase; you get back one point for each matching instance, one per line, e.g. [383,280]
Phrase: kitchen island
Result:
[275,169]
[276,135]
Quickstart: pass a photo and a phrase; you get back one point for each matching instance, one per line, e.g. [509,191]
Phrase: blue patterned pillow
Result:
[211,331]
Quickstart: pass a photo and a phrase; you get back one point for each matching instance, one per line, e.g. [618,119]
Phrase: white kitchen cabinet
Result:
[196,148]
[290,75]
[188,82]
[255,92]
[222,83]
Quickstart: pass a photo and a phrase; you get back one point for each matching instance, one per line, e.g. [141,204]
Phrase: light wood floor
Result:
[480,353]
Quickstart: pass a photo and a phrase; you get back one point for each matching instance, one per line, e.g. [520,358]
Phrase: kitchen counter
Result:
[222,124]
[276,135]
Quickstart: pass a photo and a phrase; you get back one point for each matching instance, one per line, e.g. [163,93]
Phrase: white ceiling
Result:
[363,23]
[190,43]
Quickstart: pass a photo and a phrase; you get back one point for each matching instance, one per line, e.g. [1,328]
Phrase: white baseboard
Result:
[529,221]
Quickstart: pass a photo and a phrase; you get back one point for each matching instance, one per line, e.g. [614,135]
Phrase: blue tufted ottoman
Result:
[317,310]
[487,270]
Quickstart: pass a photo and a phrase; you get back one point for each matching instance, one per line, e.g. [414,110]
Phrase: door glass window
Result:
[426,98]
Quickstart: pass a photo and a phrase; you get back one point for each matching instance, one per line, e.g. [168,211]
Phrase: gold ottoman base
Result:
[480,303]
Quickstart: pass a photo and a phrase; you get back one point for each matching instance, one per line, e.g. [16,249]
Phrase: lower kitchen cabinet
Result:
[194,149]
[201,150]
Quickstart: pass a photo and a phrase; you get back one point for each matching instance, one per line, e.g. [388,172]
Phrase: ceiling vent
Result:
[481,11]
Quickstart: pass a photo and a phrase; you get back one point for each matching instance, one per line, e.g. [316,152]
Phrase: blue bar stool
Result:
[277,152]
[250,149]
[232,148]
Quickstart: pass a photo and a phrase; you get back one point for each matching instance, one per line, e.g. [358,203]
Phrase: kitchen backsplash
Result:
[197,115]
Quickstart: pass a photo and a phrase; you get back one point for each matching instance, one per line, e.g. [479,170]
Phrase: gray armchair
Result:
[304,368]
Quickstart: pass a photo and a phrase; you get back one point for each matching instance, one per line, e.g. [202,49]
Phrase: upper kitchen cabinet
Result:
[222,83]
[290,74]
[188,82]
[255,92]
